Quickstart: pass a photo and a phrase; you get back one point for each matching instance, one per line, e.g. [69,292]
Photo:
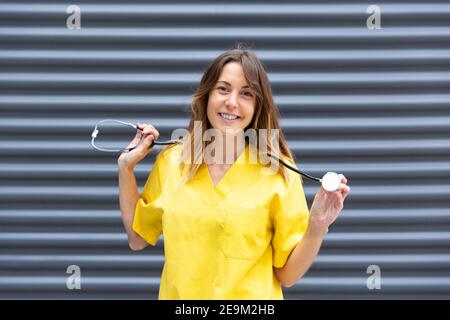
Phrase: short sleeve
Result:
[290,216]
[148,212]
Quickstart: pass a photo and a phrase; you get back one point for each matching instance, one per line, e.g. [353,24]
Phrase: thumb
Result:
[148,140]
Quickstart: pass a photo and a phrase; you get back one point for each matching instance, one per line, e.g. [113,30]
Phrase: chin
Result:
[234,130]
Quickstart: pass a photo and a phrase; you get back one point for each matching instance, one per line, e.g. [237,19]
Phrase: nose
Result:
[232,101]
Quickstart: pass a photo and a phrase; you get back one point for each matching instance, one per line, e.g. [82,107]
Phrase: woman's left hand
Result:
[327,205]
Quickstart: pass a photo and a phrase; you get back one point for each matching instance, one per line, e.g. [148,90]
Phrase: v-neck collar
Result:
[223,187]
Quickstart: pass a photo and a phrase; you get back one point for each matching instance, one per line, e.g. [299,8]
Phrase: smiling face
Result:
[231,103]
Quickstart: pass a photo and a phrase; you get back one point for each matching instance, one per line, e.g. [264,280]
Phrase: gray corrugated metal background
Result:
[372,104]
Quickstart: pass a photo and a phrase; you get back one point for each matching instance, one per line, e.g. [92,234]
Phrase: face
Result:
[231,102]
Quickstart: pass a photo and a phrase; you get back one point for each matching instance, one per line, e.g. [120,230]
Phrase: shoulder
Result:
[170,155]
[293,180]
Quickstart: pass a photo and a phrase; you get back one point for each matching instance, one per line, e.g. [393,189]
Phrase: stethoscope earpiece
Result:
[135,126]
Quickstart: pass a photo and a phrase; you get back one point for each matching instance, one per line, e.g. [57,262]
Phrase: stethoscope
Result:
[330,181]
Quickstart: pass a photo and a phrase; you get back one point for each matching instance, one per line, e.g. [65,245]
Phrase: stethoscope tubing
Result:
[155,142]
[330,181]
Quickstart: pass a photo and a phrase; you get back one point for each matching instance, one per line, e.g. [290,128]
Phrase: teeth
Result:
[228,116]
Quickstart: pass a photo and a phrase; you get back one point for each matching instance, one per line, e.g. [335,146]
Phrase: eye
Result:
[248,94]
[221,88]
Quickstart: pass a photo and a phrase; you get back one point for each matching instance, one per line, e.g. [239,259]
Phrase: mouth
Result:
[229,117]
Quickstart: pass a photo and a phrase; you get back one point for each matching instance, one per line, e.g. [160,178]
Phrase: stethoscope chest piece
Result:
[331,181]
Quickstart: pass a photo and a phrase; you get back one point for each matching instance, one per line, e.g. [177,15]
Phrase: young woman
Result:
[230,230]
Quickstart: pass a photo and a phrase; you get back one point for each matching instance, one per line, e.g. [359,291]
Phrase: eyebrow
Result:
[227,83]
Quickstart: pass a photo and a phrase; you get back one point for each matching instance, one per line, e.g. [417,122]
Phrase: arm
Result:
[128,191]
[128,197]
[301,257]
[324,211]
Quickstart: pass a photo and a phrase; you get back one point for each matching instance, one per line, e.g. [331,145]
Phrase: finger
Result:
[142,144]
[138,133]
[151,131]
[148,127]
[341,198]
[343,178]
[341,187]
[143,126]
[345,191]
[137,137]
[148,141]
[148,137]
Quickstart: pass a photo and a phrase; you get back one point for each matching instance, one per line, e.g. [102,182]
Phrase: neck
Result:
[231,149]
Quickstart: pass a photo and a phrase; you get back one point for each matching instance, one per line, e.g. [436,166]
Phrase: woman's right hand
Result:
[143,140]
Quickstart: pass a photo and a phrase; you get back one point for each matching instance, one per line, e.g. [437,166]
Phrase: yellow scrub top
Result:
[221,242]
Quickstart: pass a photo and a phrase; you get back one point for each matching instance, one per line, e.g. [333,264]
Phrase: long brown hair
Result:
[266,115]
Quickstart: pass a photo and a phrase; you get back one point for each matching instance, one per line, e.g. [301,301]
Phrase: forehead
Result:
[233,73]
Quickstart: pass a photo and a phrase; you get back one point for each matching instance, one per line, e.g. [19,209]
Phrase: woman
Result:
[230,231]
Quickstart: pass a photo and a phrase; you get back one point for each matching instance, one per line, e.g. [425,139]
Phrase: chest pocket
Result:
[246,232]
